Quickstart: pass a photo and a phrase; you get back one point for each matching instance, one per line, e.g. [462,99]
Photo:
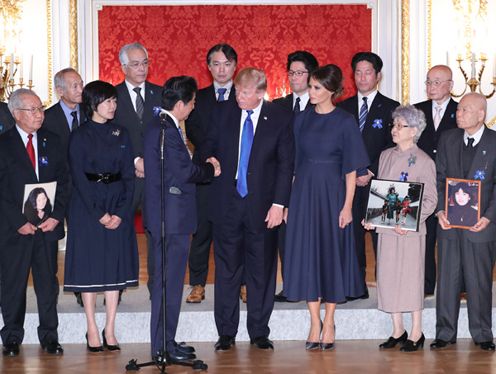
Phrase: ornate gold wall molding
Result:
[49,51]
[429,34]
[73,34]
[405,51]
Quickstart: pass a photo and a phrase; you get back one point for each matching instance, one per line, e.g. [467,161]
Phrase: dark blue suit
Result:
[240,231]
[6,119]
[180,176]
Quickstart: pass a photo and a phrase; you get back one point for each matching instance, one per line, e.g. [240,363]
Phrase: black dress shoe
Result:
[280,298]
[224,343]
[108,346]
[392,342]
[92,349]
[440,344]
[177,356]
[79,298]
[11,349]
[53,348]
[486,346]
[411,346]
[183,347]
[262,342]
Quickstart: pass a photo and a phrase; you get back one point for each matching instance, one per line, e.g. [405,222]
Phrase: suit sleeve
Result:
[490,212]
[124,206]
[63,183]
[441,172]
[152,180]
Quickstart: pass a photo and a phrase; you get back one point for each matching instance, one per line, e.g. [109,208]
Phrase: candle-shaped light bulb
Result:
[11,67]
[31,69]
[473,65]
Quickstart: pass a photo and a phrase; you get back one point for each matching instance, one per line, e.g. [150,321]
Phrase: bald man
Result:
[468,152]
[440,116]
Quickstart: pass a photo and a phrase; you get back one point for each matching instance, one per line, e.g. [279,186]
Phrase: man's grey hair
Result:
[123,56]
[413,118]
[59,80]
[15,99]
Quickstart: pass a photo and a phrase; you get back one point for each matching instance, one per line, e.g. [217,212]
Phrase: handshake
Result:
[216,164]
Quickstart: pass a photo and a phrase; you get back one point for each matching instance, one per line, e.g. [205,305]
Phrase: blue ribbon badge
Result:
[377,124]
[156,111]
[404,176]
[43,160]
[480,174]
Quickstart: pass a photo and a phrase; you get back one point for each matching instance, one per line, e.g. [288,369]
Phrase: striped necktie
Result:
[140,103]
[362,117]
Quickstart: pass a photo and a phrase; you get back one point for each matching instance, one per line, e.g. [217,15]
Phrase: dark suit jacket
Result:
[376,133]
[199,119]
[430,137]
[270,169]
[16,171]
[126,116]
[449,165]
[56,122]
[180,176]
[287,102]
[6,119]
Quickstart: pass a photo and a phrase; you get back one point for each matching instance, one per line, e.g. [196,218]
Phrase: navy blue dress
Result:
[320,259]
[98,259]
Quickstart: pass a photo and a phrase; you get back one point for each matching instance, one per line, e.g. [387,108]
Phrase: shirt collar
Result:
[227,86]
[130,87]
[477,136]
[370,98]
[443,105]
[303,99]
[24,134]
[176,122]
[66,109]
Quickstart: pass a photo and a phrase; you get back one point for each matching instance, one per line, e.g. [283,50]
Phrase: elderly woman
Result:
[400,253]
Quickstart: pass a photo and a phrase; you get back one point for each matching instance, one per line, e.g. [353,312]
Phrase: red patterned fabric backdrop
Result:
[178,38]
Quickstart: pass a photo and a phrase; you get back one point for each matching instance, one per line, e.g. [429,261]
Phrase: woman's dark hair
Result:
[331,77]
[30,209]
[95,93]
[182,88]
[471,190]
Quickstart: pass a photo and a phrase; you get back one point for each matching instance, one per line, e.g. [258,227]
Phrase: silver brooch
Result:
[116,132]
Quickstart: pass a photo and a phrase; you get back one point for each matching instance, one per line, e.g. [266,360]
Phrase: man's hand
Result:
[367,226]
[114,222]
[363,180]
[48,225]
[139,166]
[274,216]
[216,164]
[27,229]
[480,225]
[443,220]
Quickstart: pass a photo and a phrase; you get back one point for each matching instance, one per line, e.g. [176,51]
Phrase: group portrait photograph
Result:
[247,186]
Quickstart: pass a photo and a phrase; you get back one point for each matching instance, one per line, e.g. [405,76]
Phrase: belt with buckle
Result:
[105,178]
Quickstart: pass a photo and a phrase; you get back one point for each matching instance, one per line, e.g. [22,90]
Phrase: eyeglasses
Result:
[135,65]
[397,126]
[297,73]
[435,83]
[33,111]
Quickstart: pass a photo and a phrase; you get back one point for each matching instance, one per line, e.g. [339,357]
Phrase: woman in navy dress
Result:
[102,253]
[321,264]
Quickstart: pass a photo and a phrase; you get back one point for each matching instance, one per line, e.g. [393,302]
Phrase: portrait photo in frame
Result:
[39,200]
[462,202]
[394,203]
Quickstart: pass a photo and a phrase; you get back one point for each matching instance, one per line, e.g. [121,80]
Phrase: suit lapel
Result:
[375,108]
[127,98]
[150,93]
[480,161]
[448,115]
[354,105]
[20,149]
[42,155]
[263,120]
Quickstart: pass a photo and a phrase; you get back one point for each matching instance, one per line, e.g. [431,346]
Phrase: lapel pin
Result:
[265,118]
[484,153]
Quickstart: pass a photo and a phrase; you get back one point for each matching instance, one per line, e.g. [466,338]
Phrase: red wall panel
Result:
[178,38]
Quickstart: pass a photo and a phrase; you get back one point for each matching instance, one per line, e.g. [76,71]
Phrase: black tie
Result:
[140,104]
[470,142]
[75,122]
[296,108]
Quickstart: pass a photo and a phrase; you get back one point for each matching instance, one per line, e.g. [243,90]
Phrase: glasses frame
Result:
[298,73]
[33,111]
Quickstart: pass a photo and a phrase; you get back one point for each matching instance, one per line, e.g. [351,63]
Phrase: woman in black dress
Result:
[102,254]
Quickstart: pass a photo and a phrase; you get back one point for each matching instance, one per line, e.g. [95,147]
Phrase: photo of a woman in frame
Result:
[463,204]
[37,207]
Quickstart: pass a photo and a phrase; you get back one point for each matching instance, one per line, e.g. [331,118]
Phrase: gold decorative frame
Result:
[49,50]
[429,34]
[73,34]
[405,51]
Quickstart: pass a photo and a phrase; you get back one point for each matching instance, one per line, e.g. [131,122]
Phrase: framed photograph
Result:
[394,203]
[39,200]
[462,202]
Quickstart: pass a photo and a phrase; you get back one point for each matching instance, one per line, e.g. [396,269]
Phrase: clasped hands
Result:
[216,164]
[110,222]
[46,226]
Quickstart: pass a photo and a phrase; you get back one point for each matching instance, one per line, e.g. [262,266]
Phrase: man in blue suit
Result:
[179,209]
[253,142]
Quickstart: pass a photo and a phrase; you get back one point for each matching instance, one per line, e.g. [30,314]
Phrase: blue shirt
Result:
[67,113]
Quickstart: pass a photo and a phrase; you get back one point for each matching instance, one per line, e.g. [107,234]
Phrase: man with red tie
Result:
[29,155]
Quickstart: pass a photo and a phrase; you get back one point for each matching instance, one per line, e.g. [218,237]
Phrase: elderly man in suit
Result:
[468,152]
[300,65]
[254,144]
[439,110]
[6,119]
[372,111]
[221,62]
[29,154]
[136,98]
[164,136]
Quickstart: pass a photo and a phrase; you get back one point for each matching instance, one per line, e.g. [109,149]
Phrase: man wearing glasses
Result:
[29,154]
[372,111]
[136,98]
[300,65]
[440,115]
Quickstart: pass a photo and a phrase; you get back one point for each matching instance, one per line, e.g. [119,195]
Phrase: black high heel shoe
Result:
[328,346]
[92,349]
[392,342]
[108,346]
[311,346]
[411,346]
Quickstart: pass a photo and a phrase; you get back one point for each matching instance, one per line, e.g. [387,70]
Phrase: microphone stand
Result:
[162,359]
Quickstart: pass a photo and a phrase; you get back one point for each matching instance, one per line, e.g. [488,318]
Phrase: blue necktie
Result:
[221,91]
[296,108]
[244,155]
[362,117]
